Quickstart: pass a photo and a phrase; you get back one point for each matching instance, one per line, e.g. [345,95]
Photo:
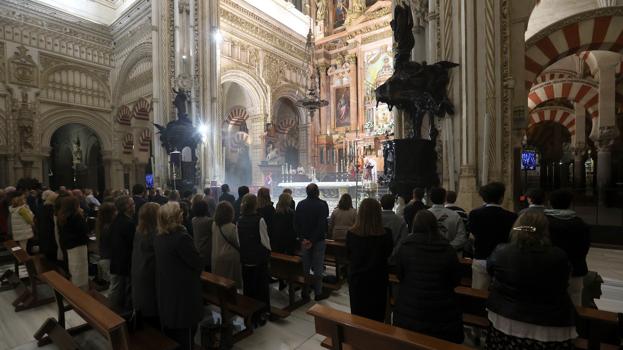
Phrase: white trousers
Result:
[78,265]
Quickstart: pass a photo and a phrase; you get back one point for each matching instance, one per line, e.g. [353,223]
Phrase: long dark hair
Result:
[369,221]
[105,216]
[425,222]
[346,202]
[69,206]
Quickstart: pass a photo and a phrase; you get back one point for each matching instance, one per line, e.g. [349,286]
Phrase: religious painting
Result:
[342,107]
[370,2]
[378,67]
[340,10]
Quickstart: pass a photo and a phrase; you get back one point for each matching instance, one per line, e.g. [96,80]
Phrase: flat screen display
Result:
[528,160]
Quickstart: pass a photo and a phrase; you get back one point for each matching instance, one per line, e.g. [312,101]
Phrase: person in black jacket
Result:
[368,246]
[569,233]
[254,253]
[428,270]
[292,202]
[178,281]
[46,228]
[138,196]
[528,305]
[226,196]
[121,241]
[414,206]
[144,265]
[73,239]
[310,222]
[490,225]
[265,208]
[283,238]
[242,191]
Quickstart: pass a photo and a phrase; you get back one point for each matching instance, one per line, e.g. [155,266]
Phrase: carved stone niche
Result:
[22,69]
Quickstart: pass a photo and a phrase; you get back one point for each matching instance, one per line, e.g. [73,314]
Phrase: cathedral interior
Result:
[194,94]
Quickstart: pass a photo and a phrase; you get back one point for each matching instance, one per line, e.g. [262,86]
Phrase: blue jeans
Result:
[313,259]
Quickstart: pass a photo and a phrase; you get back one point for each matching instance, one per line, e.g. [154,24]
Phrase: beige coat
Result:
[341,221]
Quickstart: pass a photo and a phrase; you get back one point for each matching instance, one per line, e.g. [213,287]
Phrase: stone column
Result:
[212,161]
[257,149]
[579,173]
[324,113]
[579,147]
[605,130]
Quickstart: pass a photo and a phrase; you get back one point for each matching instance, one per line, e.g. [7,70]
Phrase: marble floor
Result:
[295,332]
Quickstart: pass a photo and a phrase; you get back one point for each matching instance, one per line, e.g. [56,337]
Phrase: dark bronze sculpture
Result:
[417,88]
[176,136]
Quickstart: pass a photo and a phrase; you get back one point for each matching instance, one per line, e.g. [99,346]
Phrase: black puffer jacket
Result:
[428,269]
[569,233]
[530,285]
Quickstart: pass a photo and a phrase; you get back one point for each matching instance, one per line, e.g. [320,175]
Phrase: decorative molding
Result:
[144,140]
[22,68]
[128,143]
[142,109]
[124,115]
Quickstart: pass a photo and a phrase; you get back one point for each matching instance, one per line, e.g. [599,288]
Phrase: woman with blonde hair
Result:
[178,283]
[342,218]
[143,272]
[225,244]
[368,246]
[528,305]
[46,228]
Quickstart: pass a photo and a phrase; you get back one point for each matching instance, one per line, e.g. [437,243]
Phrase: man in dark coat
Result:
[490,225]
[414,206]
[568,232]
[310,222]
[226,196]
[121,242]
[242,190]
[138,196]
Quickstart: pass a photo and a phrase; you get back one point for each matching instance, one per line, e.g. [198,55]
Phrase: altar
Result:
[332,191]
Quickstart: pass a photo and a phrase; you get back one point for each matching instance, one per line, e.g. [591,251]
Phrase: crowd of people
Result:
[153,246]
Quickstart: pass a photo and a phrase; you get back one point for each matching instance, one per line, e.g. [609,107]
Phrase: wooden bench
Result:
[98,316]
[597,329]
[28,291]
[290,269]
[221,292]
[336,255]
[346,331]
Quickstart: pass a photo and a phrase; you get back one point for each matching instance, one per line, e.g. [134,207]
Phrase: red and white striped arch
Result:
[555,74]
[237,116]
[591,61]
[583,92]
[562,115]
[553,43]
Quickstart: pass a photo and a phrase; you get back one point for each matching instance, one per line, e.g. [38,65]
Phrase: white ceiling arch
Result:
[99,11]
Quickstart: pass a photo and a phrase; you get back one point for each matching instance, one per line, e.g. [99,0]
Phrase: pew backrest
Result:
[101,318]
[365,334]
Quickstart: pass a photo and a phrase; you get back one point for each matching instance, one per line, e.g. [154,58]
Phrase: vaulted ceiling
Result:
[98,11]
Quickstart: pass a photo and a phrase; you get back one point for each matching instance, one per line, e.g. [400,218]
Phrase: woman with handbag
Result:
[225,244]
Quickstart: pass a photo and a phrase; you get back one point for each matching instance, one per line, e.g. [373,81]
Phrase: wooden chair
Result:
[98,317]
[28,290]
[221,292]
[346,331]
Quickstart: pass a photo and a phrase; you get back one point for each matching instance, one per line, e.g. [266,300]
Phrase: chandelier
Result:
[311,101]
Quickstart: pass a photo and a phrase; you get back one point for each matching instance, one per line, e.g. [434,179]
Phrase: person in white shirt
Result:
[90,198]
[450,223]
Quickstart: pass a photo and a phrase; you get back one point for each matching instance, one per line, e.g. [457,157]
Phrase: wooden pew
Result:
[98,316]
[597,329]
[290,269]
[335,255]
[28,294]
[221,292]
[346,331]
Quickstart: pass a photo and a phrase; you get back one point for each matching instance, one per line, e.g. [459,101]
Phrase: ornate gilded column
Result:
[324,113]
[351,59]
